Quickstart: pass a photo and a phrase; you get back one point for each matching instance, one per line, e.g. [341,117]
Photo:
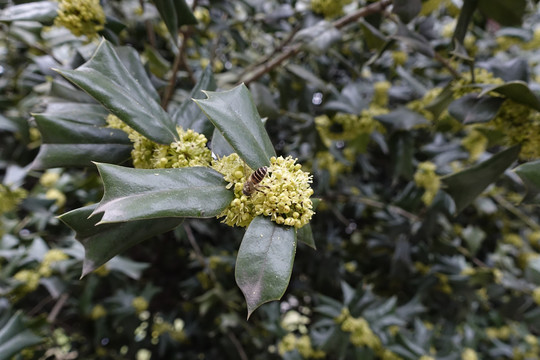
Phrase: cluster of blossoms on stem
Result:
[325,160]
[284,193]
[363,336]
[475,142]
[302,344]
[344,126]
[426,178]
[10,198]
[328,8]
[81,17]
[189,150]
[29,278]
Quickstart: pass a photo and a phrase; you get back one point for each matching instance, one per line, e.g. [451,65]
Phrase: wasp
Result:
[252,183]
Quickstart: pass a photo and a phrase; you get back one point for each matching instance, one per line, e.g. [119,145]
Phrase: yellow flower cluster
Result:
[349,126]
[81,17]
[52,256]
[29,280]
[536,295]
[430,6]
[97,312]
[175,331]
[139,304]
[419,105]
[505,42]
[469,354]
[362,335]
[502,332]
[463,86]
[49,178]
[189,150]
[520,125]
[399,57]
[9,199]
[328,8]
[327,161]
[303,344]
[476,143]
[426,178]
[284,193]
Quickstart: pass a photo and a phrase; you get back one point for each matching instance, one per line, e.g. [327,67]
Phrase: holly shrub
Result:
[313,179]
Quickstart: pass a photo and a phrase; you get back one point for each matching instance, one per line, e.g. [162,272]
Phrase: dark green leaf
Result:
[219,145]
[14,337]
[74,134]
[515,69]
[40,11]
[402,119]
[305,235]
[505,12]
[466,185]
[189,115]
[265,260]
[107,80]
[530,175]
[234,114]
[471,109]
[136,194]
[175,13]
[441,102]
[515,90]
[375,40]
[407,9]
[414,40]
[465,17]
[264,100]
[103,242]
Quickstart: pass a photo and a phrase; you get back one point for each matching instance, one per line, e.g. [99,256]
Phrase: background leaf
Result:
[234,114]
[41,11]
[530,174]
[188,115]
[471,109]
[264,262]
[505,12]
[102,242]
[107,80]
[14,337]
[515,90]
[136,194]
[466,185]
[175,13]
[407,9]
[75,134]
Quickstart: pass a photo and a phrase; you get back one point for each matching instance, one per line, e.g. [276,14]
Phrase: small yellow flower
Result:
[98,312]
[57,195]
[469,354]
[9,199]
[139,304]
[426,178]
[476,143]
[49,178]
[287,344]
[399,57]
[29,278]
[380,94]
[328,8]
[536,295]
[52,256]
[81,17]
